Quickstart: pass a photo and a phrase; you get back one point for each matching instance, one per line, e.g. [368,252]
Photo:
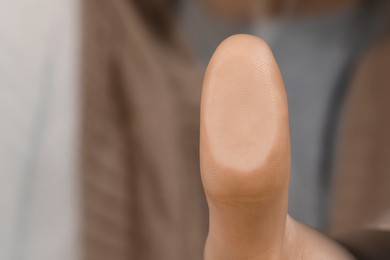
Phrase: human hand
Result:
[245,160]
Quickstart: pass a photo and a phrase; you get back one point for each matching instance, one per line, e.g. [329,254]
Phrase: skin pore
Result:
[245,160]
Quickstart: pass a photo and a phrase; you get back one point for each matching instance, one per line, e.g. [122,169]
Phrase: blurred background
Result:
[99,108]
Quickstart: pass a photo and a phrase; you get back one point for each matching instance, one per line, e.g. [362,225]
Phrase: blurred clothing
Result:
[143,197]
[360,198]
[38,117]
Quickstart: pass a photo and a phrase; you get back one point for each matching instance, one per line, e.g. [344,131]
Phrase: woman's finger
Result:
[245,151]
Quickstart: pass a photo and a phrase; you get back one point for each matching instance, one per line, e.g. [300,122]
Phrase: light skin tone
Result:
[245,146]
[245,160]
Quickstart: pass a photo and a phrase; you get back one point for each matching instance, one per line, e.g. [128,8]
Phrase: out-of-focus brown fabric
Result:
[143,197]
[158,16]
[361,194]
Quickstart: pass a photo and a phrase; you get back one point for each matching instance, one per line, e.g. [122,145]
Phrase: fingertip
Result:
[244,107]
[244,150]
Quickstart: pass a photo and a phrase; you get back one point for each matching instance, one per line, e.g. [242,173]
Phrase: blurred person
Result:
[141,188]
[141,83]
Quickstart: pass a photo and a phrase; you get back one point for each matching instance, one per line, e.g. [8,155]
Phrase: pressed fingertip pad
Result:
[244,118]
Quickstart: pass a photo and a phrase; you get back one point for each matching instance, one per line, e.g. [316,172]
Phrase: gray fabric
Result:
[311,53]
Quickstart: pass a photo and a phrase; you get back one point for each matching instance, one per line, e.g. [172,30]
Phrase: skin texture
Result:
[245,160]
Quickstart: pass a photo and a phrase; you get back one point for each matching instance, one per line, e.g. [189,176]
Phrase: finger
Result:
[244,151]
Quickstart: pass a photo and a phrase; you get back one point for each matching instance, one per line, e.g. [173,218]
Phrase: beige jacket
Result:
[143,197]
